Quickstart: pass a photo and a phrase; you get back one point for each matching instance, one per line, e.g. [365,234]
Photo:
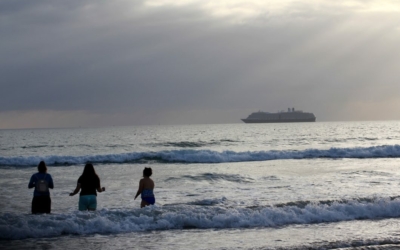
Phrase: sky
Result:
[83,63]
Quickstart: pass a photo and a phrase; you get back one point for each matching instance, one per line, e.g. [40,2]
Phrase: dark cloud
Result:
[122,57]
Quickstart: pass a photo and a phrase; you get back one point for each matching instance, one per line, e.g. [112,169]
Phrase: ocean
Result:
[322,185]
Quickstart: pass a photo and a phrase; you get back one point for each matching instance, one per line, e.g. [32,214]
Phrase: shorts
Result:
[41,204]
[87,202]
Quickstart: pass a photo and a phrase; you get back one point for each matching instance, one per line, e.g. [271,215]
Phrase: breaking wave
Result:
[204,215]
[207,156]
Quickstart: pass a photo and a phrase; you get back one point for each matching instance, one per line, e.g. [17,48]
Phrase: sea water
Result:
[323,185]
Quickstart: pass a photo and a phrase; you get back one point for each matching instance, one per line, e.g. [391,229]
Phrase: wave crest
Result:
[200,215]
[207,156]
[211,177]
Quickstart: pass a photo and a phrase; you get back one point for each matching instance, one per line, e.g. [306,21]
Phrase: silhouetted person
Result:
[146,187]
[41,181]
[89,182]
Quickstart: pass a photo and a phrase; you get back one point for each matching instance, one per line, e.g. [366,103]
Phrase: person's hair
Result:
[89,171]
[42,167]
[147,172]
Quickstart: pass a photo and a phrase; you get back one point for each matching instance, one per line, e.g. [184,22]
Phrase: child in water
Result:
[146,187]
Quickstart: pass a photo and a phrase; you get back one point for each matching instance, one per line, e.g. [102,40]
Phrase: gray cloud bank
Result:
[87,63]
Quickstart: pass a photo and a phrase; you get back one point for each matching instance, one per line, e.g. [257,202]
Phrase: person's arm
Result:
[78,187]
[31,182]
[140,189]
[51,184]
[99,188]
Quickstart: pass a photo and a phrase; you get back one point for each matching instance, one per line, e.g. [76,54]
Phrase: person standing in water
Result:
[89,182]
[146,187]
[41,181]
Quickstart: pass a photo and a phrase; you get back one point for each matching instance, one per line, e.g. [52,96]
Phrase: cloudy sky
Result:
[124,62]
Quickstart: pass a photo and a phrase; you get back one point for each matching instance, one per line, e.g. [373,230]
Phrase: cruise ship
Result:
[291,115]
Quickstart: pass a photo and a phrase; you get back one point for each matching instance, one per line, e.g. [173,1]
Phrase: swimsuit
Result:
[148,196]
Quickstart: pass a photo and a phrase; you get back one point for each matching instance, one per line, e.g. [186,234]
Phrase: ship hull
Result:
[277,121]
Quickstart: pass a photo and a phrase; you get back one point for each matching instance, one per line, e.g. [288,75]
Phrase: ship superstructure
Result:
[291,115]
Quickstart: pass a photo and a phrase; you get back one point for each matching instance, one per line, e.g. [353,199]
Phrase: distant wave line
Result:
[206,156]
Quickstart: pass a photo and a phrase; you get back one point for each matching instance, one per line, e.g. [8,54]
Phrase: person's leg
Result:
[82,203]
[42,204]
[147,201]
[34,208]
[144,203]
[46,204]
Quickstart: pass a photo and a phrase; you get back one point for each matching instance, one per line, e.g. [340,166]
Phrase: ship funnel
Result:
[292,109]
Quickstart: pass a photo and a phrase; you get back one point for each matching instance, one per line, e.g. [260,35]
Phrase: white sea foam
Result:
[207,156]
[20,226]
